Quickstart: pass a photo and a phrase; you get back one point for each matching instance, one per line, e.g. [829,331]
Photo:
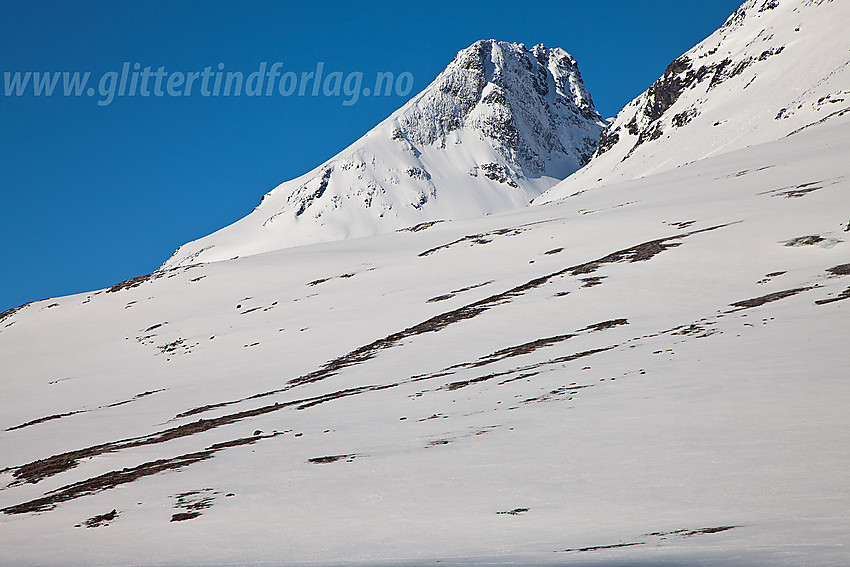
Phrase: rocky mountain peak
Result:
[498,127]
[527,103]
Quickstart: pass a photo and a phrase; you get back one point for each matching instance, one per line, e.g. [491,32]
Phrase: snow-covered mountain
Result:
[774,68]
[497,128]
[652,372]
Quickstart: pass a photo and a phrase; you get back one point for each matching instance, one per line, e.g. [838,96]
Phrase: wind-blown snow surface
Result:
[651,373]
[774,67]
[497,128]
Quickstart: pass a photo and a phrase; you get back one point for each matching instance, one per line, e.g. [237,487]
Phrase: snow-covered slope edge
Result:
[497,128]
[774,67]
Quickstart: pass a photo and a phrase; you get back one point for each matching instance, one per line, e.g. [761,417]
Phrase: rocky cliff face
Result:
[774,67]
[497,128]
[531,105]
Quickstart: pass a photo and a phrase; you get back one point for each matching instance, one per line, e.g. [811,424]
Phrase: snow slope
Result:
[497,128]
[774,67]
[658,375]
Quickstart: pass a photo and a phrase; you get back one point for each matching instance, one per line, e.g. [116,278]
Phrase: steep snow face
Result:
[497,128]
[774,67]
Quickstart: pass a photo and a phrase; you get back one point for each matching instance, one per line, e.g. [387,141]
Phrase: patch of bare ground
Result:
[100,520]
[116,478]
[482,238]
[518,350]
[706,327]
[794,191]
[133,399]
[36,471]
[332,459]
[768,298]
[840,270]
[421,226]
[341,276]
[835,114]
[201,409]
[661,535]
[453,293]
[769,277]
[557,360]
[610,324]
[44,419]
[698,330]
[682,224]
[840,297]
[690,533]
[181,516]
[155,275]
[557,394]
[598,547]
[592,281]
[9,312]
[192,503]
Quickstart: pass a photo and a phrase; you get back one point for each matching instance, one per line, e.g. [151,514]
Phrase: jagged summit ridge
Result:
[499,126]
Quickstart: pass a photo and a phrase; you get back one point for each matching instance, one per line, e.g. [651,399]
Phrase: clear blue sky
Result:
[91,195]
